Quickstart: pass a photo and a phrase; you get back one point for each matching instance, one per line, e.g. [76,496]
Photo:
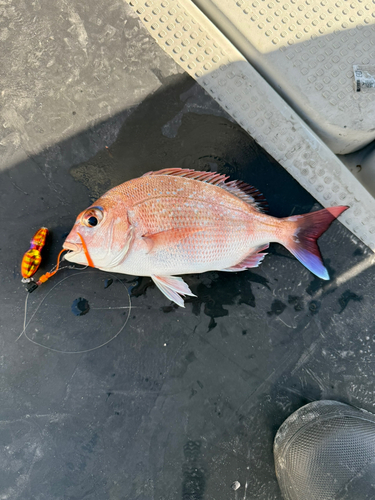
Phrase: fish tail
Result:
[305,230]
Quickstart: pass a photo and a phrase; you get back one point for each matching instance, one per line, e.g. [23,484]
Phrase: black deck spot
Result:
[108,282]
[277,307]
[296,301]
[221,290]
[80,306]
[314,306]
[190,357]
[142,283]
[346,297]
[212,324]
[168,309]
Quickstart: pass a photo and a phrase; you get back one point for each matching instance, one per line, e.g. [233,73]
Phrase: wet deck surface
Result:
[152,402]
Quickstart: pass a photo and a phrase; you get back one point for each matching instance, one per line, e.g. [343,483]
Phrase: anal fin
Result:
[173,287]
[252,260]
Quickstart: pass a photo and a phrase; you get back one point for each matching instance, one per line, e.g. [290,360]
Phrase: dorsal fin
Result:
[248,194]
[188,173]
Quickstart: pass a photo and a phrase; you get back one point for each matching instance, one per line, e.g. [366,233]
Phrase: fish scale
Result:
[179,221]
[222,229]
[212,242]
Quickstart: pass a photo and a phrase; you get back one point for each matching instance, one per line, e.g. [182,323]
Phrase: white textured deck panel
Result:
[186,34]
[307,49]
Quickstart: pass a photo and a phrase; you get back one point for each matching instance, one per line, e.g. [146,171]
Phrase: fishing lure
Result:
[33,257]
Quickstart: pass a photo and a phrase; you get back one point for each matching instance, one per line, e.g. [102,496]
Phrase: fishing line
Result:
[53,271]
[25,325]
[109,307]
[56,267]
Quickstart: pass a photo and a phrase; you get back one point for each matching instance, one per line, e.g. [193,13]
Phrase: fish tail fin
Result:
[306,229]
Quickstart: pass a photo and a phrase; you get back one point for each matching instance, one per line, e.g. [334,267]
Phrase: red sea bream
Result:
[179,221]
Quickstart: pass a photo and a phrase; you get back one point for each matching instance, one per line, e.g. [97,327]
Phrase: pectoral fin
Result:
[173,287]
[169,237]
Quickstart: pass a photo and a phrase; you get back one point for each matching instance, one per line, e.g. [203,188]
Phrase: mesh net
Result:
[320,448]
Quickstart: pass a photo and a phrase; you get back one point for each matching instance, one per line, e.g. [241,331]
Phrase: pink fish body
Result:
[178,221]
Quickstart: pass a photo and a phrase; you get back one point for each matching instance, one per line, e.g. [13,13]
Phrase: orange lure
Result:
[32,258]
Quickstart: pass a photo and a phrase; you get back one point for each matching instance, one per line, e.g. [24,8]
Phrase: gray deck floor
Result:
[183,402]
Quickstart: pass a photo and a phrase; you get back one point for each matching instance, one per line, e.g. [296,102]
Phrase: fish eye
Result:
[92,221]
[92,217]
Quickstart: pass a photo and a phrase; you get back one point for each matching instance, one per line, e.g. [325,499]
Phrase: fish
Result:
[178,221]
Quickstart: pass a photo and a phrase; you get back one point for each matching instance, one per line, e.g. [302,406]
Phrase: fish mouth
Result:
[72,247]
[75,253]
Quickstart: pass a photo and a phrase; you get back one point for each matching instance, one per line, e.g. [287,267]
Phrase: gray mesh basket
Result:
[326,451]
